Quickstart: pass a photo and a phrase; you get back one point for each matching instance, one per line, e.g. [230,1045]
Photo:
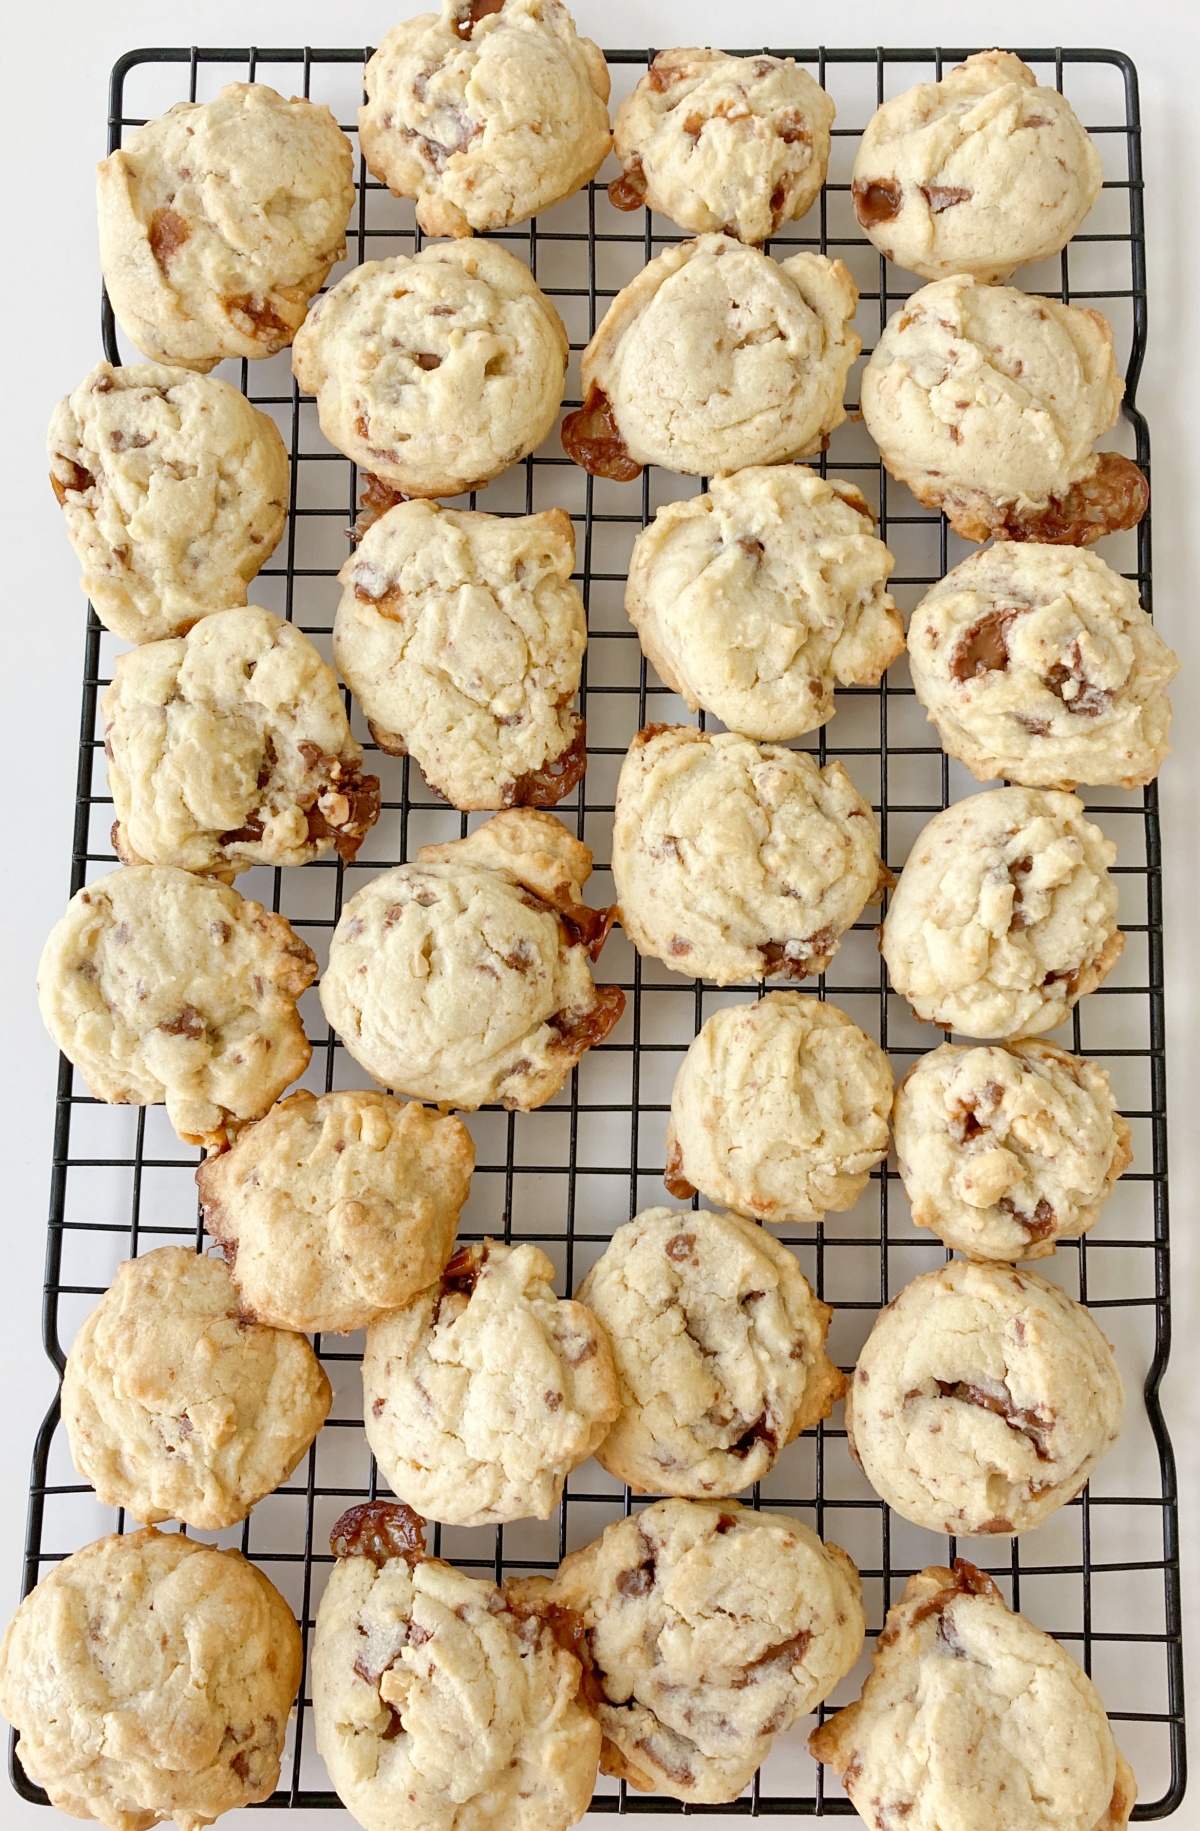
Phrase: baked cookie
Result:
[485,112]
[435,371]
[752,599]
[713,358]
[230,747]
[1038,663]
[482,1393]
[739,144]
[463,978]
[982,1401]
[462,638]
[177,1405]
[739,861]
[971,1716]
[720,1351]
[1005,914]
[987,402]
[979,173]
[712,1628]
[779,1110]
[333,1210]
[438,1704]
[150,1677]
[1005,1151]
[161,986]
[220,220]
[174,490]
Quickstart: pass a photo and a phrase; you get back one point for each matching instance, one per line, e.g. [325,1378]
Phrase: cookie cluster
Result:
[150,1676]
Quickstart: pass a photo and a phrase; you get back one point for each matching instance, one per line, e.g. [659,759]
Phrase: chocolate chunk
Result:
[996,1398]
[639,1581]
[425,359]
[379,1530]
[941,197]
[242,835]
[592,439]
[877,201]
[789,1652]
[984,647]
[1068,682]
[759,1432]
[188,1023]
[166,234]
[466,18]
[568,1630]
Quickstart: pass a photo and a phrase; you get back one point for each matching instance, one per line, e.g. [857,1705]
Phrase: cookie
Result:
[716,357]
[482,1393]
[779,1110]
[461,636]
[435,371]
[333,1210]
[161,986]
[751,600]
[739,144]
[463,978]
[174,490]
[177,1405]
[739,861]
[987,403]
[712,1628]
[1005,915]
[1005,1151]
[1038,663]
[720,1351]
[438,1704]
[980,173]
[972,1717]
[485,112]
[230,747]
[150,1677]
[982,1401]
[220,220]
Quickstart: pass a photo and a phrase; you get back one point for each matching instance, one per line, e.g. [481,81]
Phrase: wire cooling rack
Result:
[1103,1574]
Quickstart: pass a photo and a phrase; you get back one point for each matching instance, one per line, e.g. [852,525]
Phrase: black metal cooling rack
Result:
[1104,1574]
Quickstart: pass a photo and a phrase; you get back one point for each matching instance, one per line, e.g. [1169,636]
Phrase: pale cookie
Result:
[980,173]
[1005,915]
[720,1351]
[161,986]
[739,861]
[332,1211]
[1038,663]
[179,1406]
[713,358]
[713,1628]
[982,1401]
[174,490]
[751,600]
[220,220]
[779,1111]
[150,1677]
[463,978]
[435,371]
[482,1393]
[972,1719]
[987,403]
[485,112]
[718,142]
[1005,1151]
[438,1703]
[461,636]
[230,747]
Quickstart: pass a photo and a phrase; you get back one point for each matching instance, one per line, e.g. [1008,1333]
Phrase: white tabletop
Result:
[54,129]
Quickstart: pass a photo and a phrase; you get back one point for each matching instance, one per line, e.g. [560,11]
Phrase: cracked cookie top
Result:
[982,1400]
[462,638]
[483,1392]
[485,112]
[738,144]
[1005,914]
[220,220]
[980,173]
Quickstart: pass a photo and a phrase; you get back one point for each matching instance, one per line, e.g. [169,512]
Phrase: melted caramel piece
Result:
[545,786]
[466,18]
[463,1269]
[661,75]
[941,197]
[376,499]
[166,234]
[362,796]
[592,439]
[676,1182]
[1086,699]
[266,326]
[998,1400]
[188,1023]
[876,202]
[1114,497]
[984,647]
[628,192]
[81,480]
[792,1651]
[379,1530]
[781,957]
[792,128]
[568,1630]
[579,1031]
[964,1580]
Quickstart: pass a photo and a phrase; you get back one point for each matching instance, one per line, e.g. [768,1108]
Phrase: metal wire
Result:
[567,1175]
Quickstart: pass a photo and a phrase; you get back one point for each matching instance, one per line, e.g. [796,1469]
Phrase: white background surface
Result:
[53,125]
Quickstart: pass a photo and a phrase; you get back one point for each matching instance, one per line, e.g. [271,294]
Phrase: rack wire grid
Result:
[1103,1574]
